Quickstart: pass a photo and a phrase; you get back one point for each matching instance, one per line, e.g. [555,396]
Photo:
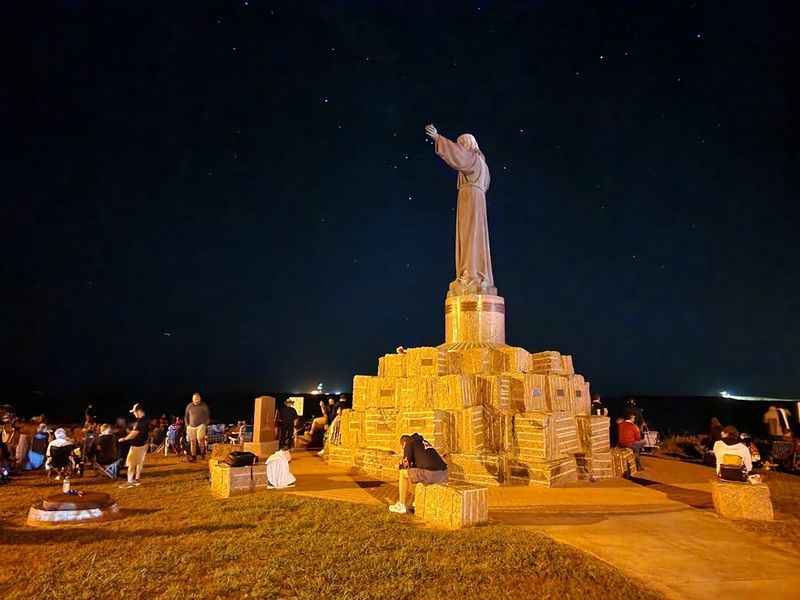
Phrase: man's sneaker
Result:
[398,508]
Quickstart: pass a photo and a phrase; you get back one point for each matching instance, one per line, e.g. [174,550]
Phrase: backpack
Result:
[240,459]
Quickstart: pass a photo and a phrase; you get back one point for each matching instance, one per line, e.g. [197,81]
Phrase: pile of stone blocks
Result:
[451,505]
[734,500]
[497,414]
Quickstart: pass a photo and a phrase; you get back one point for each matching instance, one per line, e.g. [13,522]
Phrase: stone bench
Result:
[623,462]
[227,481]
[451,505]
[742,500]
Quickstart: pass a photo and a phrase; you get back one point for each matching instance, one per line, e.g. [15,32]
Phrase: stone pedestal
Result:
[476,319]
[742,500]
[264,442]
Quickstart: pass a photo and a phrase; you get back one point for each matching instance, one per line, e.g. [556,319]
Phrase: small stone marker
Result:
[742,500]
[264,442]
[451,505]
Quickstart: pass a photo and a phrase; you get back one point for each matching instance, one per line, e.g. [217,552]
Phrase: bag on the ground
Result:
[240,459]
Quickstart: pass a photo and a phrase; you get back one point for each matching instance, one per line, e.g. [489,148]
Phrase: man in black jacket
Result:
[421,464]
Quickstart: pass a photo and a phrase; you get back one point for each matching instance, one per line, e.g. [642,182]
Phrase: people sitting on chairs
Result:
[734,461]
[105,453]
[38,448]
[58,458]
[629,436]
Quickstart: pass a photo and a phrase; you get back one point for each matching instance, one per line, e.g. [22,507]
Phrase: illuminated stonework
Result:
[497,413]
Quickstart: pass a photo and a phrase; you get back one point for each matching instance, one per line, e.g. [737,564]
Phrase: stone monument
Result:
[264,442]
[497,413]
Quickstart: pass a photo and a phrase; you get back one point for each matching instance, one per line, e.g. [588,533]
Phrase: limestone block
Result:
[425,362]
[381,464]
[361,398]
[547,362]
[481,469]
[535,436]
[546,473]
[453,362]
[623,462]
[594,466]
[456,391]
[558,393]
[352,428]
[340,456]
[470,430]
[742,500]
[535,393]
[392,365]
[481,360]
[566,364]
[566,432]
[516,360]
[451,505]
[497,392]
[382,392]
[416,393]
[380,429]
[578,391]
[593,433]
[434,425]
[227,481]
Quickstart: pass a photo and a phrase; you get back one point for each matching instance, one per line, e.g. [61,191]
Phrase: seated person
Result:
[629,436]
[38,449]
[734,462]
[104,449]
[421,464]
[61,441]
[320,422]
[5,462]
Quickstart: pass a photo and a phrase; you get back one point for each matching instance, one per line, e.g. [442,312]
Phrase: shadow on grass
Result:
[694,498]
[86,533]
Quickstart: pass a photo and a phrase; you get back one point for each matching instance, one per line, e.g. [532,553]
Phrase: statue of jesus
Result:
[473,258]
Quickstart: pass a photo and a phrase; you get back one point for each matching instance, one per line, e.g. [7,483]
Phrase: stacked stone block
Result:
[497,414]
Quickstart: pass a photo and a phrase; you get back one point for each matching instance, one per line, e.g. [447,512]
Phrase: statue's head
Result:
[469,142]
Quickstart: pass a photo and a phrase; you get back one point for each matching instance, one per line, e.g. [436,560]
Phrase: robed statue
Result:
[473,258]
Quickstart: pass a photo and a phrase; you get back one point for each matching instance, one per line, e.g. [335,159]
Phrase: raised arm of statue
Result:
[455,155]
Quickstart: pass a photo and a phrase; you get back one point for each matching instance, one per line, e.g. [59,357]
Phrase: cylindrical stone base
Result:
[477,318]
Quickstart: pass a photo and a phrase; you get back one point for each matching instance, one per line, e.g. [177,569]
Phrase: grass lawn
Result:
[175,540]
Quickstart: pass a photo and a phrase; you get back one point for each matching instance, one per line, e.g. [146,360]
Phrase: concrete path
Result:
[660,528]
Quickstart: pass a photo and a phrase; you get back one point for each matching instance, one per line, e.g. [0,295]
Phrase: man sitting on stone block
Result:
[421,464]
[734,462]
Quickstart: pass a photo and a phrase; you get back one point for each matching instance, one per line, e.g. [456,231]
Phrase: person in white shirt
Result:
[731,444]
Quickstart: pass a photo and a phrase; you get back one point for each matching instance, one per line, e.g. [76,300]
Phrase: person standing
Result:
[137,451]
[286,417]
[196,417]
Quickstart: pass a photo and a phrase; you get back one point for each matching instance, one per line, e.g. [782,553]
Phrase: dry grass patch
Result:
[176,541]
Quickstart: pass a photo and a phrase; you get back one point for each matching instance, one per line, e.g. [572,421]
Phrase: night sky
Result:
[240,195]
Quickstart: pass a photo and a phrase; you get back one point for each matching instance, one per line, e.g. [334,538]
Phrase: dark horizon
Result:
[241,196]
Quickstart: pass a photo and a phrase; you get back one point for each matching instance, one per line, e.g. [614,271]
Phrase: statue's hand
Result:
[431,132]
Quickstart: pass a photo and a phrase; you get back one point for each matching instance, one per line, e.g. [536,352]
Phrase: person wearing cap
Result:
[196,417]
[137,451]
[60,438]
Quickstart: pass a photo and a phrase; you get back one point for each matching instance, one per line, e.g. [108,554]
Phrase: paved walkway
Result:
[660,528]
